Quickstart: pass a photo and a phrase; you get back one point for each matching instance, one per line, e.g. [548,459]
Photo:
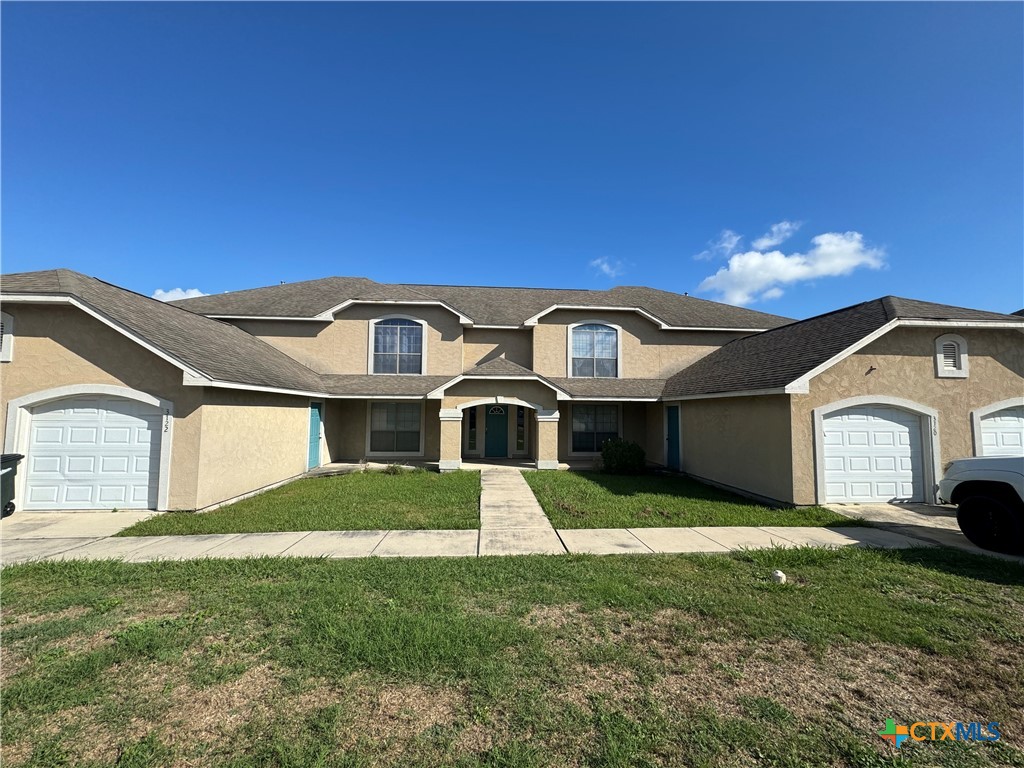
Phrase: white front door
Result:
[873,453]
[93,452]
[1002,432]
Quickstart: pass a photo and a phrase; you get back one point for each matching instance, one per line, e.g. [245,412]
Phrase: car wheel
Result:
[992,523]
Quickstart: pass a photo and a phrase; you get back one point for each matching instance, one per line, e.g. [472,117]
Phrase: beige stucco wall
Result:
[654,414]
[346,424]
[633,426]
[647,351]
[343,345]
[531,392]
[249,440]
[57,346]
[482,344]
[739,442]
[904,367]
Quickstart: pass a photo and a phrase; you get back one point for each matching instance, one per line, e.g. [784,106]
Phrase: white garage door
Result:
[1002,432]
[93,452]
[873,453]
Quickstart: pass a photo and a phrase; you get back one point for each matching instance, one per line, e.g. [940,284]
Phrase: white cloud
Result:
[778,234]
[177,293]
[726,244]
[606,267]
[758,275]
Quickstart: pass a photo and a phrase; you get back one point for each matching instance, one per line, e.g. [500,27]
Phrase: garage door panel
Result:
[80,465]
[93,453]
[873,453]
[1002,432]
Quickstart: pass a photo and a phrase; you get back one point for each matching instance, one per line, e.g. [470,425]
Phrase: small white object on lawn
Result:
[778,577]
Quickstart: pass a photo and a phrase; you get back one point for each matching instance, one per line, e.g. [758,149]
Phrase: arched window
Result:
[6,337]
[951,357]
[397,346]
[595,351]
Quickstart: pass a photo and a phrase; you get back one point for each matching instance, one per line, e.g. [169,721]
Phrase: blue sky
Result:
[226,146]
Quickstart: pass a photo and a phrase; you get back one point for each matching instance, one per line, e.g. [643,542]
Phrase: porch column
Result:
[547,439]
[451,439]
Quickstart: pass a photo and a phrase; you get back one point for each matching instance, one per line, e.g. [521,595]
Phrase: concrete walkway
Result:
[511,523]
[511,519]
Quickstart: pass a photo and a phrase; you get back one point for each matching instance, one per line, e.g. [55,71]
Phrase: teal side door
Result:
[496,439]
[672,457]
[314,434]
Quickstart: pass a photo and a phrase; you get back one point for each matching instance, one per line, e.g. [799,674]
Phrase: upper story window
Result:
[6,338]
[951,357]
[595,351]
[397,346]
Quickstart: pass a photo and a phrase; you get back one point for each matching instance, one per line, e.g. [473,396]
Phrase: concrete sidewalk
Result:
[511,523]
[468,543]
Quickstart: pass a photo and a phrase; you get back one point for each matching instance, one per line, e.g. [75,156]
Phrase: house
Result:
[120,400]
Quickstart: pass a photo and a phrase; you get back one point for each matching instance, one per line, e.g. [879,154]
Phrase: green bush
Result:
[621,457]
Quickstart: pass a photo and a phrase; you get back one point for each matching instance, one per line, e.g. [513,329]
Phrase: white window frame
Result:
[372,339]
[963,363]
[7,340]
[618,349]
[617,406]
[369,424]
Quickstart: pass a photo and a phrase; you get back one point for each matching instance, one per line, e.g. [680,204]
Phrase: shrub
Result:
[621,457]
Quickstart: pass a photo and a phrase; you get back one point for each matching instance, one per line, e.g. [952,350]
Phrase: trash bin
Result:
[8,469]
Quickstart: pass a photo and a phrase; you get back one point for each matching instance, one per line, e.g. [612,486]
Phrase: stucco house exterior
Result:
[118,400]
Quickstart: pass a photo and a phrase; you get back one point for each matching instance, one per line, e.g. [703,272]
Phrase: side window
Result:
[951,357]
[595,351]
[6,338]
[397,346]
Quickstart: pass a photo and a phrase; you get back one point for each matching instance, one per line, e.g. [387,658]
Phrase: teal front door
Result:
[496,439]
[672,417]
[314,435]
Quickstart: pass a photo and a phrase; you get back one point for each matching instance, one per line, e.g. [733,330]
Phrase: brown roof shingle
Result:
[218,350]
[777,357]
[483,305]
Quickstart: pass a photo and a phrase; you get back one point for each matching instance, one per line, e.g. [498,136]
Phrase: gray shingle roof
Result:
[215,349]
[597,389]
[391,386]
[500,366]
[484,305]
[775,358]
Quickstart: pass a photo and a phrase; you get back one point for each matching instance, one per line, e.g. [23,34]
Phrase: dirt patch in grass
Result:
[402,711]
[858,685]
[30,619]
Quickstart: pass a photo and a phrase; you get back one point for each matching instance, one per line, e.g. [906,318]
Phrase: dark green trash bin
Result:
[8,469]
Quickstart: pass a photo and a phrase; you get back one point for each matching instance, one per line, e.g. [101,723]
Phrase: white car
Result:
[989,495]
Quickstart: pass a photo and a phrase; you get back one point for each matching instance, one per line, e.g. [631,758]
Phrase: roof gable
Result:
[218,351]
[778,358]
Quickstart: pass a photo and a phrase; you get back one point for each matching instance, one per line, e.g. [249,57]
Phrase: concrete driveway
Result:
[935,523]
[28,535]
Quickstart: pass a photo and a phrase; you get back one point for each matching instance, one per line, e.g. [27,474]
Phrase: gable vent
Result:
[950,356]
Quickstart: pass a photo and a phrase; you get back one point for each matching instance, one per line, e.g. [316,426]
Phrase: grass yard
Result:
[366,501]
[597,500]
[533,661]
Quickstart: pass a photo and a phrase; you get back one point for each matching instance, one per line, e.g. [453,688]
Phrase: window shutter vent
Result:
[950,356]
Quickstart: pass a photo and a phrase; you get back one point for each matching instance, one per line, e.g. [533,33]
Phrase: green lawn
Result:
[534,661]
[597,500]
[366,501]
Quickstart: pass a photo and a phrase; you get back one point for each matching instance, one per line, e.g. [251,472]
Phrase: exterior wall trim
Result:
[978,414]
[19,419]
[328,314]
[963,360]
[32,298]
[438,394]
[7,347]
[744,393]
[930,443]
[638,310]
